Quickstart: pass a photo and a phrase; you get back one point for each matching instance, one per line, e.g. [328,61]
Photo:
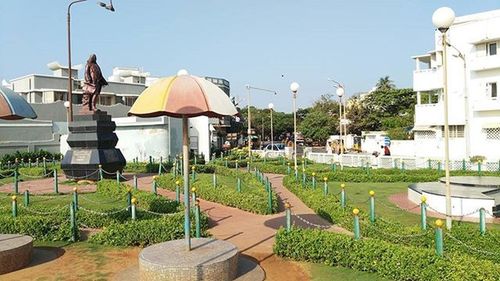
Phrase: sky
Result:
[263,43]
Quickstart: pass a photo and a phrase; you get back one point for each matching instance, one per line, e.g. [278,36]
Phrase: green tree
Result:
[384,84]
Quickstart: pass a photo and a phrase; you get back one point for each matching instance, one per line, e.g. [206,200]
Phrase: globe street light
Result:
[108,7]
[249,121]
[294,87]
[271,106]
[442,19]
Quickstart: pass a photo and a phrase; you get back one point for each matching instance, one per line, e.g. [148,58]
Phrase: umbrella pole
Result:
[185,158]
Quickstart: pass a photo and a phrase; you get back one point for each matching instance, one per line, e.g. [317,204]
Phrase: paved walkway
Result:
[253,234]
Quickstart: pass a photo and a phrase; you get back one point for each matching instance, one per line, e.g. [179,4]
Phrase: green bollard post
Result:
[270,201]
[402,165]
[154,187]
[26,198]
[236,165]
[429,163]
[14,206]
[372,206]
[288,169]
[193,194]
[193,173]
[325,186]
[439,237]
[334,167]
[197,218]
[129,200]
[423,213]
[150,161]
[342,196]
[479,163]
[177,192]
[135,182]
[313,180]
[214,179]
[288,215]
[134,203]
[482,221]
[439,166]
[72,216]
[303,178]
[56,182]
[118,179]
[463,165]
[101,176]
[16,181]
[238,185]
[75,198]
[356,224]
[160,169]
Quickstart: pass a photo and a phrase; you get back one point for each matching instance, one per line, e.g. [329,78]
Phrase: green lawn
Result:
[358,194]
[321,272]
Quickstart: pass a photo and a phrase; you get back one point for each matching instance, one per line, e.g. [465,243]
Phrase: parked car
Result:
[275,147]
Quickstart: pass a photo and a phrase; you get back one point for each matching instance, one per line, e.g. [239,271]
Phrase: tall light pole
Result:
[442,19]
[271,106]
[294,87]
[70,82]
[249,121]
[340,93]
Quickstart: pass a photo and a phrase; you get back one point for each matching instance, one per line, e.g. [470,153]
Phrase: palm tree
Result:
[384,83]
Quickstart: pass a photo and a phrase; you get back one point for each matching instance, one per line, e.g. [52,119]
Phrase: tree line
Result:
[386,108]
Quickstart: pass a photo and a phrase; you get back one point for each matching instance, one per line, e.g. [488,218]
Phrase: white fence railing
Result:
[400,162]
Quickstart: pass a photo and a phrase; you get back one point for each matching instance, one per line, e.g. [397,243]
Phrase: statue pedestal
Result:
[92,141]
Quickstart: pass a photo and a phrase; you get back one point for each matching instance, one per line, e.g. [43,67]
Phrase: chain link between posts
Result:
[155,213]
[36,212]
[102,213]
[310,223]
[84,197]
[454,216]
[37,177]
[463,244]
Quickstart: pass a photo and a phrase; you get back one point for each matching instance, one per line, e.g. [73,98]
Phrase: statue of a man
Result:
[94,81]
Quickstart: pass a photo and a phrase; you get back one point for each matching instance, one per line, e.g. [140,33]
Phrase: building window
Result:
[491,49]
[129,101]
[105,100]
[491,90]
[425,135]
[492,133]
[456,131]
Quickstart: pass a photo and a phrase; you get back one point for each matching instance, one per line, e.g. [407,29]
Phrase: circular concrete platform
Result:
[480,181]
[209,259]
[15,252]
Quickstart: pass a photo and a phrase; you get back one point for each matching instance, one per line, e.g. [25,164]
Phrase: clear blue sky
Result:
[254,42]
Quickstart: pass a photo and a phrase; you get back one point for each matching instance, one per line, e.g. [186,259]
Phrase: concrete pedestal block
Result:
[15,252]
[209,259]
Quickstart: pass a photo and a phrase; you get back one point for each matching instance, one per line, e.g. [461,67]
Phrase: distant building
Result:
[473,79]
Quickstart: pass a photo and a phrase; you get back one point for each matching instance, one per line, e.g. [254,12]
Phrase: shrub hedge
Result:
[329,208]
[387,259]
[253,198]
[47,228]
[146,232]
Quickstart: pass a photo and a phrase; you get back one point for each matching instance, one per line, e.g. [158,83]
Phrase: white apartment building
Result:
[473,79]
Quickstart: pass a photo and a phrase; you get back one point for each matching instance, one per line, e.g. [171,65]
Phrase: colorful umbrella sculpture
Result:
[13,106]
[183,96]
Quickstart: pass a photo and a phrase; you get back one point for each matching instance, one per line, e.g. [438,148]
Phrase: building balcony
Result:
[485,63]
[433,114]
[427,79]
[486,104]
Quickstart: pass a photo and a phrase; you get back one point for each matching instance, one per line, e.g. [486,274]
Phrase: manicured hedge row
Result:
[329,208]
[253,198]
[389,260]
[146,232]
[47,228]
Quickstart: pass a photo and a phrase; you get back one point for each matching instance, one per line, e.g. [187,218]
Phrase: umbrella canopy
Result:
[13,106]
[183,95]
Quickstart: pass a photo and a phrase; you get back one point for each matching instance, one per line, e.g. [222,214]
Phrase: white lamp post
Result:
[67,105]
[271,106]
[340,94]
[442,19]
[294,87]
